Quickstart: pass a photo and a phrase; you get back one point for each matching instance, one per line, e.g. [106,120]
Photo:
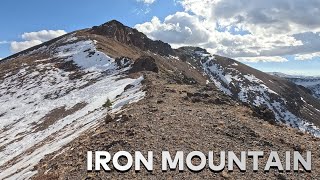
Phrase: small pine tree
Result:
[107,104]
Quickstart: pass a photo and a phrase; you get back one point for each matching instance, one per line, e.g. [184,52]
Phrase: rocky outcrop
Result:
[144,63]
[119,32]
[265,113]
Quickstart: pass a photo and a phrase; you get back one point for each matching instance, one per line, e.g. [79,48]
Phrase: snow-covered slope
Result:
[309,82]
[259,90]
[48,102]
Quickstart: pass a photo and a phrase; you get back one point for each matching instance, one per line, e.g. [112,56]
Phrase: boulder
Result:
[144,63]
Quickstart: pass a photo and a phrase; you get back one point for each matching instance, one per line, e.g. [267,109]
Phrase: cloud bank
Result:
[31,39]
[247,30]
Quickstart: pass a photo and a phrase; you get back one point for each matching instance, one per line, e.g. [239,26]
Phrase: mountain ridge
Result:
[60,89]
[124,35]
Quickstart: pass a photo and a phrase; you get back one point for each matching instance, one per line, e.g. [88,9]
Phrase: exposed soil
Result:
[56,115]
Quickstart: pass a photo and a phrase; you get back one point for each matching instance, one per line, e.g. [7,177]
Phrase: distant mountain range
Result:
[310,82]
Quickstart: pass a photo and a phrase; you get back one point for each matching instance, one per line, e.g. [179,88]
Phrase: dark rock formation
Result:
[265,113]
[119,32]
[144,63]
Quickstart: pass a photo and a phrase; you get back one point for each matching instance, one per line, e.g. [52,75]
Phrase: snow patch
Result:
[86,56]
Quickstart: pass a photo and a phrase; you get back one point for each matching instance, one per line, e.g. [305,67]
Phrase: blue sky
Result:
[230,29]
[18,17]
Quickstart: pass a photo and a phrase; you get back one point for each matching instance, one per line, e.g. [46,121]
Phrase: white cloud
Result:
[145,9]
[140,11]
[43,35]
[31,39]
[147,1]
[262,59]
[180,28]
[20,46]
[307,56]
[244,29]
[4,42]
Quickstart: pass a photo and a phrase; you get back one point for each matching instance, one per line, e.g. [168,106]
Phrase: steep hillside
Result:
[288,102]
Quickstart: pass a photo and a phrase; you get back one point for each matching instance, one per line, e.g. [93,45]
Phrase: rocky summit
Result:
[111,88]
